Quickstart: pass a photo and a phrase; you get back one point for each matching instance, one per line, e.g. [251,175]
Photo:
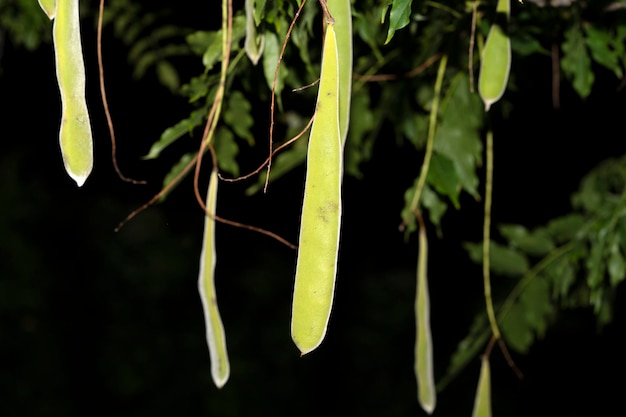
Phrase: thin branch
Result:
[273,99]
[471,45]
[105,103]
[430,140]
[410,74]
[329,17]
[281,147]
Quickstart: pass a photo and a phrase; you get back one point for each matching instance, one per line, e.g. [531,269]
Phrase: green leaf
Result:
[407,213]
[504,261]
[201,86]
[201,40]
[576,63]
[237,116]
[226,150]
[415,129]
[563,229]
[595,262]
[171,134]
[467,349]
[175,171]
[537,243]
[600,43]
[537,305]
[167,75]
[359,146]
[443,177]
[616,265]
[399,17]
[436,208]
[525,45]
[515,329]
[270,59]
[209,44]
[259,11]
[213,52]
[457,136]
[562,274]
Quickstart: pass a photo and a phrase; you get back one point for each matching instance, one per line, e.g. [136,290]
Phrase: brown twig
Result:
[410,74]
[329,17]
[273,99]
[256,171]
[105,102]
[509,359]
[471,46]
[158,195]
[304,87]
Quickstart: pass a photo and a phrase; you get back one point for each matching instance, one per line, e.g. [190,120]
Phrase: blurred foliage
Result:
[577,262]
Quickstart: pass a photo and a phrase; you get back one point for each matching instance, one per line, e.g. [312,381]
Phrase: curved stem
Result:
[431,134]
[487,238]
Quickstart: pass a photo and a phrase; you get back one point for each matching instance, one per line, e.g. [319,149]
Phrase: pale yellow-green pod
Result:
[215,335]
[321,211]
[75,133]
[496,60]
[482,402]
[341,10]
[426,393]
[49,7]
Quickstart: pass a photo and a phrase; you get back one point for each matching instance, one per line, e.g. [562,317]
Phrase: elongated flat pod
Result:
[496,59]
[482,402]
[75,133]
[215,336]
[341,10]
[426,393]
[321,211]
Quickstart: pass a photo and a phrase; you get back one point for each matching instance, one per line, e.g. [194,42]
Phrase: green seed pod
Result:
[216,338]
[496,60]
[426,393]
[482,402]
[321,211]
[75,133]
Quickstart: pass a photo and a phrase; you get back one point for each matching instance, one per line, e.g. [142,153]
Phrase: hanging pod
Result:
[321,211]
[426,393]
[495,63]
[215,336]
[482,402]
[75,132]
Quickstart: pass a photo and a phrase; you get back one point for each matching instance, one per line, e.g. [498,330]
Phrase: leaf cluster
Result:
[573,261]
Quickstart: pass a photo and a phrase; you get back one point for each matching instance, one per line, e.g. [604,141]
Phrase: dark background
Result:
[99,323]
